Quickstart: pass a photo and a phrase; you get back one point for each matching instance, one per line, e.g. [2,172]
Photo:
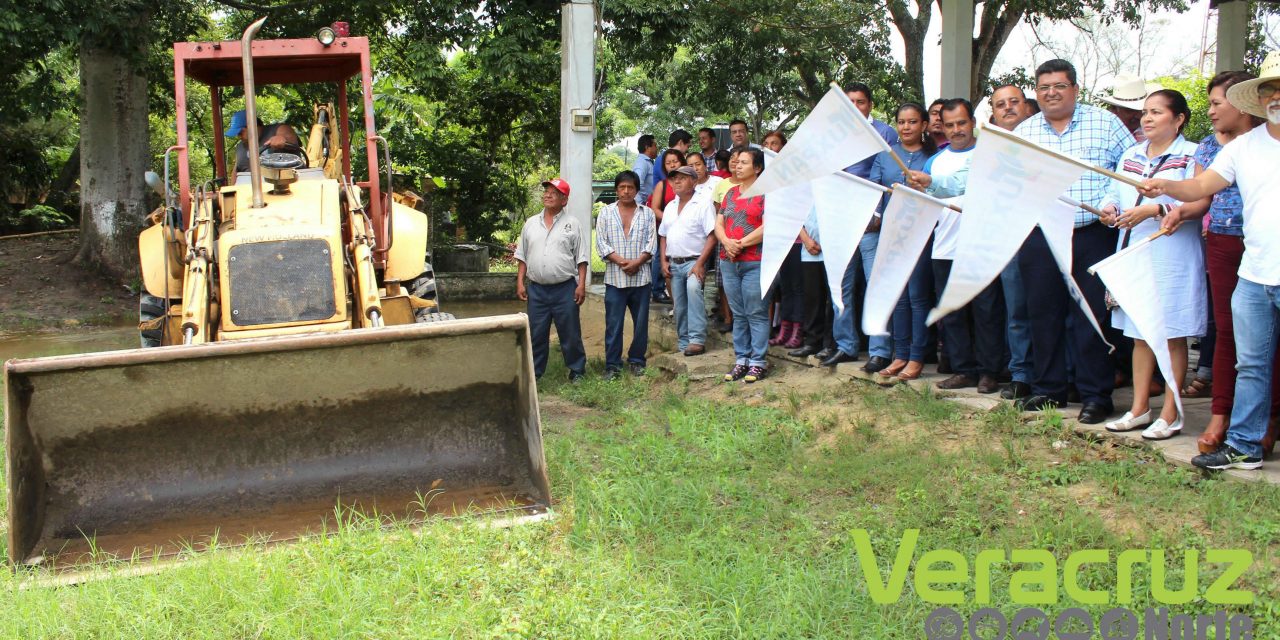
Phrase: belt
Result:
[683,260]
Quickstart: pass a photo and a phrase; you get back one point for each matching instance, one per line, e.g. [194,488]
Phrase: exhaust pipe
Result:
[251,110]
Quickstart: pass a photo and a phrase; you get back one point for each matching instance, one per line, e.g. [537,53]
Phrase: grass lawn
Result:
[702,510]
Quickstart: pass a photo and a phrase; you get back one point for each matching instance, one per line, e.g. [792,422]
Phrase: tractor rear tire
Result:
[149,308]
[427,315]
[424,286]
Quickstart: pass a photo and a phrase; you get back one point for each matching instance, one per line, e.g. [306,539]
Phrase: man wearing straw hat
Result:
[1250,161]
[1128,93]
[1094,136]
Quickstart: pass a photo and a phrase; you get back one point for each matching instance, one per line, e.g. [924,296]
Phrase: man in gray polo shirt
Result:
[552,256]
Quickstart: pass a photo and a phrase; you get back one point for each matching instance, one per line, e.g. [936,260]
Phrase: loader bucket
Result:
[146,452]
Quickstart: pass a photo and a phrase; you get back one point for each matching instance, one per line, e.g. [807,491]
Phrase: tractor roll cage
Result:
[294,61]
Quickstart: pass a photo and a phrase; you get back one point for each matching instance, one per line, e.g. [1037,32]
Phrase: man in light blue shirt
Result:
[643,166]
[1098,138]
[844,328]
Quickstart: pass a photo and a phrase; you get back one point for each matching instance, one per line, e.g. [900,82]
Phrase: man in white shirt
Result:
[1250,161]
[553,258]
[686,239]
[973,335]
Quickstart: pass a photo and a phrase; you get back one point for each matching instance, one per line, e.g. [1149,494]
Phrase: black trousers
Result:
[1049,305]
[818,313]
[974,335]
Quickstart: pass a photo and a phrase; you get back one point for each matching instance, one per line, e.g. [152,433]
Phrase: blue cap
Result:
[237,124]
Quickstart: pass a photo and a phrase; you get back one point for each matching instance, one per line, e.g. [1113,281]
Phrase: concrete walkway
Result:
[719,358]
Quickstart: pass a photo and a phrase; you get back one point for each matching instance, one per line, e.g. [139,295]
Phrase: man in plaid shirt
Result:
[625,240]
[1098,138]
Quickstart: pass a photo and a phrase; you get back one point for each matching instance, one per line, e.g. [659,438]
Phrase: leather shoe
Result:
[1093,413]
[824,354]
[803,352]
[838,357]
[958,381]
[695,350]
[1036,403]
[1016,390]
[988,384]
[875,363]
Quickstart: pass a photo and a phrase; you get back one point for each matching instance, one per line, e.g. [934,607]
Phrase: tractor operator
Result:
[277,137]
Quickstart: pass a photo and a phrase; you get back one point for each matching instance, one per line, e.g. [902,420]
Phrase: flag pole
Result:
[1027,143]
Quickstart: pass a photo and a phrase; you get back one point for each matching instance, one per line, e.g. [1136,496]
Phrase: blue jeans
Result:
[750,312]
[659,283]
[554,303]
[910,333]
[844,328]
[1019,330]
[617,302]
[691,312]
[1255,313]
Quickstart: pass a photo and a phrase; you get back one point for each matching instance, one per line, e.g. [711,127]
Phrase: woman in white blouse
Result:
[1177,260]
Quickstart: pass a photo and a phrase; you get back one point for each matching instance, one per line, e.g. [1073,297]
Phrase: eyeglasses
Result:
[1058,86]
[1265,91]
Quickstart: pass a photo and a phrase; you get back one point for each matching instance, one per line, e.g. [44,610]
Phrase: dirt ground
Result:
[42,287]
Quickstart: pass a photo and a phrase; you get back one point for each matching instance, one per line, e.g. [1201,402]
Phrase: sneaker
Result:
[576,378]
[637,370]
[755,373]
[612,374]
[1161,430]
[1224,458]
[736,373]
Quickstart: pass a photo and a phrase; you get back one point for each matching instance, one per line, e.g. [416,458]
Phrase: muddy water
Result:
[90,339]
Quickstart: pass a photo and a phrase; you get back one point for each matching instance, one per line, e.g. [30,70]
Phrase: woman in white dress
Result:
[1177,260]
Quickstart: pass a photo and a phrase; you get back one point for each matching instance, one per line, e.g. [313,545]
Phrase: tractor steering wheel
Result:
[288,156]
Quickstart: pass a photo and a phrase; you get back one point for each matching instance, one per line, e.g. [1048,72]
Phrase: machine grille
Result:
[281,281]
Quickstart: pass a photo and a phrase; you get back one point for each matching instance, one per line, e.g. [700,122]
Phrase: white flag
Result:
[1010,182]
[833,136]
[1132,282]
[785,211]
[907,223]
[1058,224]
[844,205]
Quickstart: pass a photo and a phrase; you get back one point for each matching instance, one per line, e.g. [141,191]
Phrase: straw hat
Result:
[1129,92]
[1244,95]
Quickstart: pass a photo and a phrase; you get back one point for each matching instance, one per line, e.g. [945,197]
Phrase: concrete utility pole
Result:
[957,48]
[577,106]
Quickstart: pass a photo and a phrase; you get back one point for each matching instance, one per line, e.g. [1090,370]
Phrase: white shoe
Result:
[1161,430]
[1128,422]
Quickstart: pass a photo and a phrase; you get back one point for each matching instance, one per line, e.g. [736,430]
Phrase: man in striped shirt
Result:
[625,240]
[1098,138]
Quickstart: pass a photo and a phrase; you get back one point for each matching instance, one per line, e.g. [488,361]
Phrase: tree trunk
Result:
[995,25]
[69,174]
[114,154]
[913,30]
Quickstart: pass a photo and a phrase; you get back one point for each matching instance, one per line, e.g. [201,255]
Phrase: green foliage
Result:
[35,218]
[608,165]
[1194,89]
[768,62]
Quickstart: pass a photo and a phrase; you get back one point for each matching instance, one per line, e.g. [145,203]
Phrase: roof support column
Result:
[1233,30]
[957,48]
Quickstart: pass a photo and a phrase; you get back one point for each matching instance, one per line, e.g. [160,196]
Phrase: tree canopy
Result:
[467,93]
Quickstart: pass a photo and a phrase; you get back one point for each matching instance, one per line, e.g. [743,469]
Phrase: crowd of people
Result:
[682,217]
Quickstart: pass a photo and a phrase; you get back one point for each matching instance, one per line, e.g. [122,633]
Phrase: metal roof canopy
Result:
[291,61]
[296,61]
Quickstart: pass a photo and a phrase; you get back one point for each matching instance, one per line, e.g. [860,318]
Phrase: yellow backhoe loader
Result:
[298,372]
